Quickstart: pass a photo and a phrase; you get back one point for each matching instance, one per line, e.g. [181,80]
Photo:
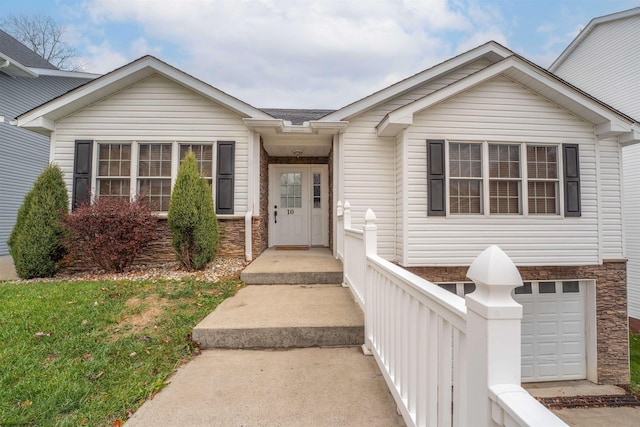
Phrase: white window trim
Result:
[135,148]
[524,180]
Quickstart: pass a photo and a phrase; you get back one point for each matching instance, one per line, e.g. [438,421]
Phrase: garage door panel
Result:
[548,328]
[553,333]
[548,349]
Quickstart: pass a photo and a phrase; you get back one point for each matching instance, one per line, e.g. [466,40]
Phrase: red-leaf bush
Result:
[111,232]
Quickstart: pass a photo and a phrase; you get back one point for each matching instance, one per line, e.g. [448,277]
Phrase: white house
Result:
[604,60]
[485,148]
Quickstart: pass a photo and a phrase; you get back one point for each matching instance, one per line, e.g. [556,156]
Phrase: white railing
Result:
[448,361]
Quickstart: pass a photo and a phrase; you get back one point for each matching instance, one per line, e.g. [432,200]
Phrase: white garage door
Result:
[553,330]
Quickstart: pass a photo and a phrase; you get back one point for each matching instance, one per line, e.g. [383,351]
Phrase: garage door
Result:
[553,330]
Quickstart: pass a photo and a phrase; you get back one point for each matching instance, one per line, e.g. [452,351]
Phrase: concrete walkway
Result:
[298,387]
[287,354]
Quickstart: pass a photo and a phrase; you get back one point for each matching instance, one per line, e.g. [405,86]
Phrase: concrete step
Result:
[284,316]
[298,267]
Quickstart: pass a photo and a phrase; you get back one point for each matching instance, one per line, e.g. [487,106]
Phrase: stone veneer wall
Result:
[611,307]
[260,225]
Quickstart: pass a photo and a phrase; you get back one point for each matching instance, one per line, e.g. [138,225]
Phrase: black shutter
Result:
[571,168]
[82,172]
[435,178]
[225,176]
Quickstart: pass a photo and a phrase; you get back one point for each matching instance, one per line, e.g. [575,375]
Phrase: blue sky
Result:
[306,53]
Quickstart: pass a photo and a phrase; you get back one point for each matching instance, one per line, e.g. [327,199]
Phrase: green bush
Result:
[37,239]
[192,218]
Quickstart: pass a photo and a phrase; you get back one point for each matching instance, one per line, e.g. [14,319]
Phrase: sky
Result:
[310,53]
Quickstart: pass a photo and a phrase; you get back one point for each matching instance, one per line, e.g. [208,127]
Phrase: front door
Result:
[298,211]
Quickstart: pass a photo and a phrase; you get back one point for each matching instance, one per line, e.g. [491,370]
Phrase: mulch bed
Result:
[612,400]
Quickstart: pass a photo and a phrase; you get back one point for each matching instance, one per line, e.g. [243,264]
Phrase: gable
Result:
[605,63]
[154,106]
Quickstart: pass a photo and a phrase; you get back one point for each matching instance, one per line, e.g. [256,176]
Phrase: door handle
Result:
[275,214]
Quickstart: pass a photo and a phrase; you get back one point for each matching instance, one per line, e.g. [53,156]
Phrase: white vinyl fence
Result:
[448,361]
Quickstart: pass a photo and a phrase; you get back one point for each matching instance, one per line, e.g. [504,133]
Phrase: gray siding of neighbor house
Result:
[23,154]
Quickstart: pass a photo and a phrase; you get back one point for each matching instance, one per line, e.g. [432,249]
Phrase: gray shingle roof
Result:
[19,52]
[296,116]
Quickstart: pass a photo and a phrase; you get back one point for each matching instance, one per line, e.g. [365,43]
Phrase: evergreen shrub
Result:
[192,217]
[36,242]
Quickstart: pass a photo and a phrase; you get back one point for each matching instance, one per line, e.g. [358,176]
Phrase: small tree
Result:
[111,231]
[192,218]
[36,242]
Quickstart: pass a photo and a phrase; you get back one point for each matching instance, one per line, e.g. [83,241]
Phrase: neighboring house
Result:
[485,148]
[604,60]
[26,81]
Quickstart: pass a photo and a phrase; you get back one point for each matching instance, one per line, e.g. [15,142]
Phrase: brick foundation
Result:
[611,307]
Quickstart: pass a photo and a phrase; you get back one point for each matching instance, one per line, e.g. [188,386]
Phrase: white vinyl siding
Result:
[605,64]
[370,162]
[631,160]
[155,110]
[503,111]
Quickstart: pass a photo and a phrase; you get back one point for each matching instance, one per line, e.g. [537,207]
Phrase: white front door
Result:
[298,210]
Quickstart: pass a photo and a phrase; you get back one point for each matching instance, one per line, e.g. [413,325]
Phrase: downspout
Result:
[248,229]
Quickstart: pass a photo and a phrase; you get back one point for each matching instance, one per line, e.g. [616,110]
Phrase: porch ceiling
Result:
[279,145]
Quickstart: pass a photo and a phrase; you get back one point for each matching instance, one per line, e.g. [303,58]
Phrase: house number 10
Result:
[289,211]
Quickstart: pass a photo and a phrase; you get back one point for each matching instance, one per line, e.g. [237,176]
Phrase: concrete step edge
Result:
[283,337]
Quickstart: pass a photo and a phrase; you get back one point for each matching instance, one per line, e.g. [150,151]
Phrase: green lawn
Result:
[634,350]
[90,353]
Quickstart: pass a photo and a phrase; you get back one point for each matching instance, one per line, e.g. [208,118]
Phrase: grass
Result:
[634,351]
[90,353]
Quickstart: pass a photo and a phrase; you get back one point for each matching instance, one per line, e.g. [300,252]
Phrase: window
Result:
[317,204]
[504,179]
[148,168]
[154,174]
[290,190]
[114,170]
[204,157]
[465,178]
[542,170]
[499,179]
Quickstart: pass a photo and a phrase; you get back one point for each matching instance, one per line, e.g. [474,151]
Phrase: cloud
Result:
[103,58]
[297,53]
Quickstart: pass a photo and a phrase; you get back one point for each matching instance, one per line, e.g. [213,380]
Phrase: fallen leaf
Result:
[38,334]
[83,422]
[117,423]
[84,322]
[87,357]
[133,354]
[146,351]
[129,413]
[165,341]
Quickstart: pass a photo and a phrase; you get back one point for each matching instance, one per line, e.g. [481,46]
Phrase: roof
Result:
[588,29]
[296,116]
[20,53]
[491,51]
[41,119]
[21,94]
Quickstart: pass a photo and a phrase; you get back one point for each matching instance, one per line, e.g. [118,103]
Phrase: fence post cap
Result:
[369,216]
[495,276]
[494,268]
[347,205]
[339,204]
